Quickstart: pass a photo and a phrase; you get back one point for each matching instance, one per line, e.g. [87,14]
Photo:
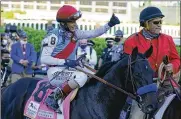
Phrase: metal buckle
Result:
[139,99]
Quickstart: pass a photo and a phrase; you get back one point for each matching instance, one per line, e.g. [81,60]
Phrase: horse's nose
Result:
[150,108]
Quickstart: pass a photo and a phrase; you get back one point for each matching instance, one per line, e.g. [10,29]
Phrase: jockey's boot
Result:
[58,94]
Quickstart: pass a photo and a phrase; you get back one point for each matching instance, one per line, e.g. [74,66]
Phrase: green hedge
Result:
[100,45]
[178,49]
[35,37]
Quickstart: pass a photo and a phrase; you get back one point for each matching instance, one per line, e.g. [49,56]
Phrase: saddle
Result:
[35,107]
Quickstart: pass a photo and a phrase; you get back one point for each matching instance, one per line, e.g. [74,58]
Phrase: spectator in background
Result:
[5,69]
[15,36]
[91,57]
[90,43]
[5,41]
[24,58]
[49,28]
[118,47]
[11,31]
[107,52]
[7,28]
[40,70]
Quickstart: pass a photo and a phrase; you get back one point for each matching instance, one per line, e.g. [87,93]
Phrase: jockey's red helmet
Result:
[67,13]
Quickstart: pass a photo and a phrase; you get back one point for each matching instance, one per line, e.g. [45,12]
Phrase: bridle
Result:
[134,95]
[129,73]
[131,95]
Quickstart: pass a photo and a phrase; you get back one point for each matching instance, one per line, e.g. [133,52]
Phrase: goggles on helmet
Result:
[75,16]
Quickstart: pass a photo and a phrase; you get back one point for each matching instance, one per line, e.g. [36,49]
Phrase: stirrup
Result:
[58,94]
[58,111]
[51,103]
[52,100]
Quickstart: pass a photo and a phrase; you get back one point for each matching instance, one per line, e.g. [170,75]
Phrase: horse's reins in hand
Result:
[165,74]
[105,82]
[168,75]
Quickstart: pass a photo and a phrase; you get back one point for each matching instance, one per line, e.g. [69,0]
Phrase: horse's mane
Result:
[101,72]
[107,67]
[110,68]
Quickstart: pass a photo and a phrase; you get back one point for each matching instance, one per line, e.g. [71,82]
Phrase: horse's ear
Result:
[134,54]
[149,52]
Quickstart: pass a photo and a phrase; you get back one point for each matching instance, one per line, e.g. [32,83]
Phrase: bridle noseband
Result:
[129,72]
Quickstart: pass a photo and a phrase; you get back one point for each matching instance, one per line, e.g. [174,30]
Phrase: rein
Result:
[91,69]
[170,77]
[107,83]
[130,71]
[133,96]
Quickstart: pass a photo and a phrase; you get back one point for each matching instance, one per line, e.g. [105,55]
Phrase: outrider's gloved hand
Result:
[71,63]
[164,90]
[113,21]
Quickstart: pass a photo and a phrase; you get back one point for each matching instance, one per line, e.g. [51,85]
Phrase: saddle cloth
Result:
[162,109]
[136,112]
[35,107]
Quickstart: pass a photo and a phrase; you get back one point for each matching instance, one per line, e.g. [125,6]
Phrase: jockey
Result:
[151,21]
[58,52]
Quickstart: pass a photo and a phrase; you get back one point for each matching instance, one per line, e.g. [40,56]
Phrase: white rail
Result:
[128,29]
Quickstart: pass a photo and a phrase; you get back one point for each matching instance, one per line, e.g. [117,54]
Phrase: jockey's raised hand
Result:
[113,21]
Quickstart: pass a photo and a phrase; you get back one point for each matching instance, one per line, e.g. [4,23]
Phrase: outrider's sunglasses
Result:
[157,22]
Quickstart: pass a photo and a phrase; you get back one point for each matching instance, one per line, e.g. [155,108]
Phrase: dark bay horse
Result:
[174,110]
[95,100]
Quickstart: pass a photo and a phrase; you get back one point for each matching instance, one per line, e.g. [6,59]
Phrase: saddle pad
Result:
[167,102]
[35,107]
[66,103]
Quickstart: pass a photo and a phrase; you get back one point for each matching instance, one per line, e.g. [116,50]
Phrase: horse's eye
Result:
[137,74]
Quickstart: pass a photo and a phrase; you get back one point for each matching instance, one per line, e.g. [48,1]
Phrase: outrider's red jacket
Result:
[162,46]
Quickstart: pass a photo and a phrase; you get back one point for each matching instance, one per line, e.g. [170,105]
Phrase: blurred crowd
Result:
[19,58]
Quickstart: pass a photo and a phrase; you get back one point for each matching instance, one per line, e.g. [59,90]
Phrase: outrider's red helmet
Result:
[67,13]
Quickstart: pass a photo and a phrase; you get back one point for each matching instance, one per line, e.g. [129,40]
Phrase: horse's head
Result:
[139,79]
[141,76]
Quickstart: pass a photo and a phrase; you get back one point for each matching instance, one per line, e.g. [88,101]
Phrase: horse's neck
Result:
[103,101]
[99,101]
